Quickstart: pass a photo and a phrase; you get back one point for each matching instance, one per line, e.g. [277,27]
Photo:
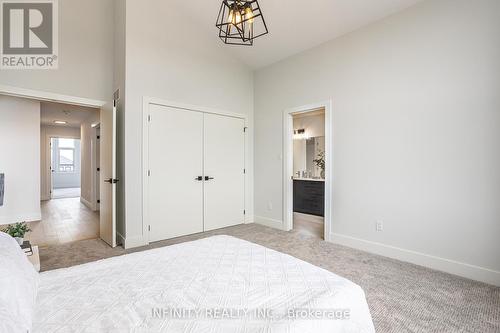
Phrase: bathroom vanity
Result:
[309,196]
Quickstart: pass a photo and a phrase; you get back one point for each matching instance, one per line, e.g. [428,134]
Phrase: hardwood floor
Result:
[309,225]
[63,221]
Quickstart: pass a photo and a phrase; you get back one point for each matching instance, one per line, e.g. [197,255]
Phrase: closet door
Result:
[224,176]
[175,161]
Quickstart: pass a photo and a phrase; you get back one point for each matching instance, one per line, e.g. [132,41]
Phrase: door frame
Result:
[288,164]
[146,102]
[40,95]
[93,164]
[45,96]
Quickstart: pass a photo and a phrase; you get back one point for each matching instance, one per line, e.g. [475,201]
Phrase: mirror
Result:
[308,158]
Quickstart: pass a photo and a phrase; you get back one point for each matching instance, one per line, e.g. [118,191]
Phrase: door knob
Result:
[199,178]
[208,178]
[111,180]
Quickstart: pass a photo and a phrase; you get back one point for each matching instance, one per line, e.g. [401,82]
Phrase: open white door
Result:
[108,174]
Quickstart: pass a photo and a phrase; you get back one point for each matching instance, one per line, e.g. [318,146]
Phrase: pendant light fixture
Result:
[240,22]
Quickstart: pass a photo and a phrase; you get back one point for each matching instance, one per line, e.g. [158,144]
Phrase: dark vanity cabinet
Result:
[309,197]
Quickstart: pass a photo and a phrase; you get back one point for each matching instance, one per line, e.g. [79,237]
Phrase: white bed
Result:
[217,284]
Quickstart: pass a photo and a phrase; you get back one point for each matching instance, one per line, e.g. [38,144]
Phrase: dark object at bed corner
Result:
[26,246]
[309,197]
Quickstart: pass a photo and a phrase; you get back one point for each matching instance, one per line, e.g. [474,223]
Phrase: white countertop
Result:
[310,179]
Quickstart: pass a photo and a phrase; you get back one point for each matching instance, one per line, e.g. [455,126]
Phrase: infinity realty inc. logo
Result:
[29,34]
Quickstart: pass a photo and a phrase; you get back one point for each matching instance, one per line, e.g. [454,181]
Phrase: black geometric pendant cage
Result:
[240,22]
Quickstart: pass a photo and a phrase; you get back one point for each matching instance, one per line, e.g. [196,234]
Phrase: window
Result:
[65,154]
[66,159]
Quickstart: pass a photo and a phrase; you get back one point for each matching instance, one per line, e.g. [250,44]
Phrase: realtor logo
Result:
[29,34]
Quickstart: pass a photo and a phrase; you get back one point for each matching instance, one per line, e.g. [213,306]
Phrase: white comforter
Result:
[217,284]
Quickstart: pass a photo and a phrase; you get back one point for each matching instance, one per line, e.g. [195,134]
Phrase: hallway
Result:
[63,221]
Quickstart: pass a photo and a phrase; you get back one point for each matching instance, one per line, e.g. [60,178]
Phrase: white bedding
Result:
[18,287]
[229,284]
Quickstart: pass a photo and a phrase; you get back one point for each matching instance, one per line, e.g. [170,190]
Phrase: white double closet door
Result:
[196,163]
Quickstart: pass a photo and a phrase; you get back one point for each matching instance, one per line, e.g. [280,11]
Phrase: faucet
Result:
[298,174]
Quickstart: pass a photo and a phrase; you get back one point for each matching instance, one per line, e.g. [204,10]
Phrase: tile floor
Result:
[308,225]
[63,221]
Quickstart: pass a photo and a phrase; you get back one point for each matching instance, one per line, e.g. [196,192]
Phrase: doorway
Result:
[309,172]
[308,176]
[68,207]
[65,169]
[106,178]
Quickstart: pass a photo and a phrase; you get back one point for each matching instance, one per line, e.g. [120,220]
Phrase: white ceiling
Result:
[295,25]
[74,115]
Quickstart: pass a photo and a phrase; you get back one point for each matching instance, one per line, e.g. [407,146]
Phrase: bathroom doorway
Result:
[308,182]
[309,172]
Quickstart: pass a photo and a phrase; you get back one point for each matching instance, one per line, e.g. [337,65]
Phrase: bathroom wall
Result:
[304,151]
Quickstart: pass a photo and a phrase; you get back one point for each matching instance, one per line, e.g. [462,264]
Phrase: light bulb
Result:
[234,17]
[237,18]
[249,14]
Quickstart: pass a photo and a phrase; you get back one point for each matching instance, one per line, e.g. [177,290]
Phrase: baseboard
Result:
[440,264]
[32,217]
[131,242]
[277,224]
[86,203]
[249,219]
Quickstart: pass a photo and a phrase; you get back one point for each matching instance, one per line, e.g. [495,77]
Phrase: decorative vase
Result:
[19,240]
[322,174]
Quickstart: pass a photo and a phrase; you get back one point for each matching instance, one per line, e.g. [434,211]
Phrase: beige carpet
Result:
[402,297]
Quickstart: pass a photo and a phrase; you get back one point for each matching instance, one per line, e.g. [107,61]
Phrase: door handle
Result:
[199,178]
[209,178]
[112,180]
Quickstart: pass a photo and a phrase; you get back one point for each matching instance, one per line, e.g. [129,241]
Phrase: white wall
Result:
[88,142]
[20,159]
[46,132]
[85,54]
[170,57]
[416,113]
